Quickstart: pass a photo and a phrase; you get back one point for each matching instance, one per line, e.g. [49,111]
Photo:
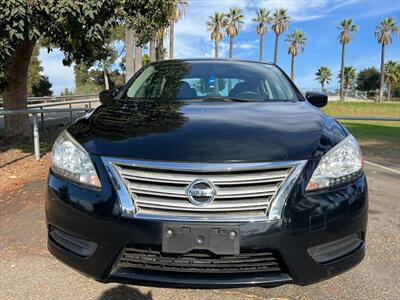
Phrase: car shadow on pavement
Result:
[124,292]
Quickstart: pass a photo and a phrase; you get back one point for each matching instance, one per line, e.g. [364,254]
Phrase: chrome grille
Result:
[157,189]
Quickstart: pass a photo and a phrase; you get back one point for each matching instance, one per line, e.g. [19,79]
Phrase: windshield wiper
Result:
[222,98]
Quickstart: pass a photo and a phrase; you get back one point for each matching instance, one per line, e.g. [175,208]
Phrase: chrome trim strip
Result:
[277,204]
[124,197]
[274,212]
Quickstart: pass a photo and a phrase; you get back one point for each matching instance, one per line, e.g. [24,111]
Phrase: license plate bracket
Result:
[221,240]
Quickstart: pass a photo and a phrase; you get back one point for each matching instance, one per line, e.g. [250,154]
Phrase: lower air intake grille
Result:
[200,262]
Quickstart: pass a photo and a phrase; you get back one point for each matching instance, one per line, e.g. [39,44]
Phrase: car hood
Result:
[208,131]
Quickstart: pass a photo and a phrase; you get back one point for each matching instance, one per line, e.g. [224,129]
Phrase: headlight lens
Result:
[71,161]
[341,164]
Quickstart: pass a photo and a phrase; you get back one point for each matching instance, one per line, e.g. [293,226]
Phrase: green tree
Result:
[142,19]
[233,23]
[392,75]
[323,75]
[350,77]
[383,33]
[178,13]
[296,41]
[145,59]
[368,79]
[43,88]
[78,28]
[262,20]
[215,24]
[34,70]
[84,83]
[347,30]
[280,22]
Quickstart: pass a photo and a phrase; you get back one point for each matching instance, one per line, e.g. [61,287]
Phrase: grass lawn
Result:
[378,139]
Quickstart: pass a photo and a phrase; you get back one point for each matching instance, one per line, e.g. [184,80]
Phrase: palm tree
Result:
[383,34]
[280,22]
[262,19]
[233,22]
[350,77]
[296,40]
[392,75]
[347,30]
[178,13]
[215,24]
[323,76]
[160,34]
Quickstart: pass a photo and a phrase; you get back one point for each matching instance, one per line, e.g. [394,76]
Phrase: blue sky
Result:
[318,19]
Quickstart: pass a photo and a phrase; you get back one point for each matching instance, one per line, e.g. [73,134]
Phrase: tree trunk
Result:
[129,55]
[138,58]
[292,69]
[171,40]
[261,46]
[15,92]
[216,48]
[276,49]
[389,96]
[160,48]
[322,87]
[382,73]
[342,75]
[106,81]
[231,47]
[152,49]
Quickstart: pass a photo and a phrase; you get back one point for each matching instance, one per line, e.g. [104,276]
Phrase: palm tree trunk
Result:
[382,73]
[231,46]
[138,58]
[276,49]
[129,63]
[342,75]
[152,49]
[261,46]
[322,87]
[389,96]
[216,48]
[292,69]
[171,40]
[106,81]
[160,48]
[15,92]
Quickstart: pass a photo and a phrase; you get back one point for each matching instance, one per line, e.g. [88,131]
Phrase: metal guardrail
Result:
[32,100]
[40,110]
[35,128]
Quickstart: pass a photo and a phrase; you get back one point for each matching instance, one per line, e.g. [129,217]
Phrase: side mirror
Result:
[107,96]
[317,99]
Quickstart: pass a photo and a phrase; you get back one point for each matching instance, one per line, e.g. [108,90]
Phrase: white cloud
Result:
[60,76]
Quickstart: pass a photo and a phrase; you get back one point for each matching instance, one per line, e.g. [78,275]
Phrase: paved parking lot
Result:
[27,271]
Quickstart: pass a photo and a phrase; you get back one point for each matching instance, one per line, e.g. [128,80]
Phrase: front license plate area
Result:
[221,240]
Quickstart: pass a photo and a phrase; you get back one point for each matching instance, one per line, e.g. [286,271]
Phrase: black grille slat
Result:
[200,262]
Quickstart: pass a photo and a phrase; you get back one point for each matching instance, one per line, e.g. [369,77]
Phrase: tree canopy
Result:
[368,79]
[78,28]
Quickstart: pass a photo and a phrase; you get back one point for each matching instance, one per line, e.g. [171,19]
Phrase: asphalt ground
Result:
[28,271]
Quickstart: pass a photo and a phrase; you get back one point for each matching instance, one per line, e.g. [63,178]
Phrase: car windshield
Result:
[211,81]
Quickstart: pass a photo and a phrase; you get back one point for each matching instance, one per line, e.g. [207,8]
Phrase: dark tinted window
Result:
[180,80]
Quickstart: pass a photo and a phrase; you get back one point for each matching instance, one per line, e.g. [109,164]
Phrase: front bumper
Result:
[310,219]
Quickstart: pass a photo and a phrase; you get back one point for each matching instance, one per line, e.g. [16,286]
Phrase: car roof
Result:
[212,60]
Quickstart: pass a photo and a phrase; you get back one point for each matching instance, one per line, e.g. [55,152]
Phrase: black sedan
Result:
[207,173]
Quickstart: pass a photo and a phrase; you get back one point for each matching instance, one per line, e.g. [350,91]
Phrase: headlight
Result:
[341,164]
[71,161]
